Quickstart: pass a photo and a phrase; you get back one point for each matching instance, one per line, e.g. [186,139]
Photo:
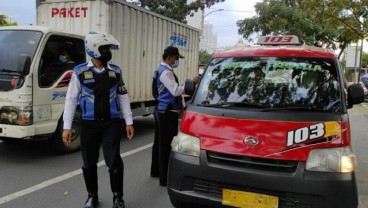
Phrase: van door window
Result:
[271,82]
[60,54]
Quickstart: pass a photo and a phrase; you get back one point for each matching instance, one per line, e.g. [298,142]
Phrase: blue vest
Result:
[167,101]
[98,99]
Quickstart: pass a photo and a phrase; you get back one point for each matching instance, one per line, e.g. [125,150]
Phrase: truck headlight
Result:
[186,144]
[340,160]
[16,115]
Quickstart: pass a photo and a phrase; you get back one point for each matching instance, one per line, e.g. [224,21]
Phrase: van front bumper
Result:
[16,131]
[200,181]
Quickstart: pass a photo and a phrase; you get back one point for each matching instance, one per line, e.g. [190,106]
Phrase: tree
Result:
[175,9]
[204,57]
[2,20]
[310,20]
[347,16]
[282,17]
[365,60]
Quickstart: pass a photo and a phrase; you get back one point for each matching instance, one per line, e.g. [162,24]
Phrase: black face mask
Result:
[105,57]
[105,54]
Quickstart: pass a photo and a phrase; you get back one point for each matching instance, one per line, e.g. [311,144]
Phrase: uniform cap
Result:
[171,50]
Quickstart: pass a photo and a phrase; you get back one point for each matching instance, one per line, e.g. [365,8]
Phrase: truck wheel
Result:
[8,140]
[57,139]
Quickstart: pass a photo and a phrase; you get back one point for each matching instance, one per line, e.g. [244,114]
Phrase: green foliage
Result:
[204,57]
[328,23]
[280,17]
[175,9]
[365,60]
[2,20]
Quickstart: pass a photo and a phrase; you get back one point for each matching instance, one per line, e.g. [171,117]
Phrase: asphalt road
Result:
[33,176]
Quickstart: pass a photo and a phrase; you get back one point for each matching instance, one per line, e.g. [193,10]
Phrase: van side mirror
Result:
[24,64]
[355,94]
[189,87]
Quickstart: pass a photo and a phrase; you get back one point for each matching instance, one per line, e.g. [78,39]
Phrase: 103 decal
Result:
[305,134]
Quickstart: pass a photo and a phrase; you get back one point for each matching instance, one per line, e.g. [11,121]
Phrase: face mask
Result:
[105,57]
[62,58]
[176,64]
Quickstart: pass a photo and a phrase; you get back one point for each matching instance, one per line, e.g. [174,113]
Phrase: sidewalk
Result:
[363,108]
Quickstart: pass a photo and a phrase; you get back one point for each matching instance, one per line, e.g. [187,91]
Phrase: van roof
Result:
[42,29]
[281,50]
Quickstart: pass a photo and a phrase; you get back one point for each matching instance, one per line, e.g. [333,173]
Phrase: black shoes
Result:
[92,201]
[118,201]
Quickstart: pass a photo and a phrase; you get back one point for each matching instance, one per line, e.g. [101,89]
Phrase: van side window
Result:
[60,54]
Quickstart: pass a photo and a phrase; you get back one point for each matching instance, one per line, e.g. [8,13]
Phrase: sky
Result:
[23,11]
[224,22]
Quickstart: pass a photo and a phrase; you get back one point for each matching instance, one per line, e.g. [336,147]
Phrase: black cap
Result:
[171,50]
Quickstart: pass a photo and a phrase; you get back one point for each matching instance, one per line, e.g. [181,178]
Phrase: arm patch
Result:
[122,90]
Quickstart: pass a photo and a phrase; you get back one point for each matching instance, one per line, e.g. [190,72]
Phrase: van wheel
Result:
[57,139]
[178,204]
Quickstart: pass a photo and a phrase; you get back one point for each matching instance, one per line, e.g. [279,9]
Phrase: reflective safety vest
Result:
[99,99]
[166,101]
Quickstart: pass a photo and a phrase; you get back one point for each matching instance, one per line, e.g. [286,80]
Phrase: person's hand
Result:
[196,79]
[129,131]
[67,136]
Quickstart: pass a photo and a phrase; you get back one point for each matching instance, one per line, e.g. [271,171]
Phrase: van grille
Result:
[286,199]
[252,162]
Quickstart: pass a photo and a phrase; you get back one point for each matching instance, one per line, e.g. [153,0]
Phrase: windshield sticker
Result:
[273,65]
[313,132]
[241,65]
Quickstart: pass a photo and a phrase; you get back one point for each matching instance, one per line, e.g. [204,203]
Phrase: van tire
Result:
[57,139]
[178,204]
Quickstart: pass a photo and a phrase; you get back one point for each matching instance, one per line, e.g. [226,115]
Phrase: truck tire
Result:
[8,140]
[57,139]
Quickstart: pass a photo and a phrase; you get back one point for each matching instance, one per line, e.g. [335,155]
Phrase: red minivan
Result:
[267,127]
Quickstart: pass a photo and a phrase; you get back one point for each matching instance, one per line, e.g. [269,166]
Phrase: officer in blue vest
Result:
[99,89]
[169,98]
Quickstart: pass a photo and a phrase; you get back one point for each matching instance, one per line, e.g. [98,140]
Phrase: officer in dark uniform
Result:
[169,98]
[99,89]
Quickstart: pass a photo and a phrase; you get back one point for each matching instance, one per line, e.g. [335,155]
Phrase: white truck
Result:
[33,84]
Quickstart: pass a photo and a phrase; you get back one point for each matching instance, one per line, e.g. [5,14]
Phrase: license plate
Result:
[245,199]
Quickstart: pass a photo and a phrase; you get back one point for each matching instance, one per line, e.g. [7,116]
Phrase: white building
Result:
[208,40]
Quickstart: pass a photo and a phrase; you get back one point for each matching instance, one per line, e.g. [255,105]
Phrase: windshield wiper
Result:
[9,71]
[294,108]
[232,104]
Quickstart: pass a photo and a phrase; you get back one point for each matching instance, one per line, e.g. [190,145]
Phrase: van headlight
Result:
[340,160]
[186,144]
[16,115]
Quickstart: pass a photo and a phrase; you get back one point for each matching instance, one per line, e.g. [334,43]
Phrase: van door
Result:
[60,54]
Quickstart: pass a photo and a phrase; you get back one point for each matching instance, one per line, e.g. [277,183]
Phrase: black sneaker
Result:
[92,201]
[118,201]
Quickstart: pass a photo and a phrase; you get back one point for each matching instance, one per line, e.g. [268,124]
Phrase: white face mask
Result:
[176,64]
[62,58]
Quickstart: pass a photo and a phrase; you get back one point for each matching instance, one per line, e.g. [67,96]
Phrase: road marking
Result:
[61,178]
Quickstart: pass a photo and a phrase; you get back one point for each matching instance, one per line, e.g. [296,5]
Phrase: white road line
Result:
[61,178]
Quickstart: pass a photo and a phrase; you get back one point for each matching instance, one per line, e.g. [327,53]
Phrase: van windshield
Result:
[271,83]
[14,43]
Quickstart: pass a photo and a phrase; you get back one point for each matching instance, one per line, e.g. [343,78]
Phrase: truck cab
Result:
[268,126]
[34,81]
